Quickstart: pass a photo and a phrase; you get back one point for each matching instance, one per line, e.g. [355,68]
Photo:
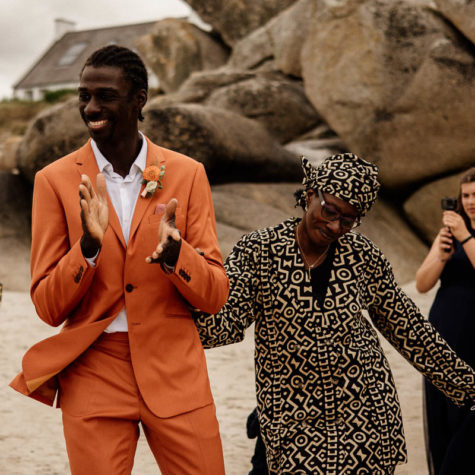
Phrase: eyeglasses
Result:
[329,213]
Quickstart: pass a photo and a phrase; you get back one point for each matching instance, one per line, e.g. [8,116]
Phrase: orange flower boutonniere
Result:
[152,179]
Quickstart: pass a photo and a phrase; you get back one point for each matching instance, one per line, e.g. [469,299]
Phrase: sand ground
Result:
[31,439]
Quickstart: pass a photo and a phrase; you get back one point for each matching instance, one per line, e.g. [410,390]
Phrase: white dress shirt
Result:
[123,193]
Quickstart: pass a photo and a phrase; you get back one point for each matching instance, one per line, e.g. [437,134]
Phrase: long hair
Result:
[466,177]
[125,59]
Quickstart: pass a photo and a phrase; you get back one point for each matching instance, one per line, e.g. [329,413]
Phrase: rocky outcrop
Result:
[277,102]
[234,19]
[423,209]
[317,144]
[461,13]
[232,147]
[175,48]
[280,40]
[15,215]
[54,133]
[198,87]
[395,82]
[8,152]
[385,226]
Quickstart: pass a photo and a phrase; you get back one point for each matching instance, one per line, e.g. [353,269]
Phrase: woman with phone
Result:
[451,430]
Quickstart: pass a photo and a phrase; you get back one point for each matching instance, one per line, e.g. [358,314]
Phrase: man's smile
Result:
[96,124]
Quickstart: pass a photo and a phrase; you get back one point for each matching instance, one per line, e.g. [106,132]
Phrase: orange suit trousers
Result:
[103,410]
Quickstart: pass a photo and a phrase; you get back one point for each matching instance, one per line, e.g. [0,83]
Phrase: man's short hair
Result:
[120,57]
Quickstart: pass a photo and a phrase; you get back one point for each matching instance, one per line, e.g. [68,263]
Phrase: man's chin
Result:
[98,135]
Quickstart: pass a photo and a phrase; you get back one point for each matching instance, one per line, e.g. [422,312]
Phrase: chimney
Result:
[62,26]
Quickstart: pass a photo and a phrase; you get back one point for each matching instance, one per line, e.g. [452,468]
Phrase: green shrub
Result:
[55,96]
[16,114]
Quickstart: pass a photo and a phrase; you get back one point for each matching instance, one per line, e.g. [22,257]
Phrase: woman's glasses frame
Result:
[329,213]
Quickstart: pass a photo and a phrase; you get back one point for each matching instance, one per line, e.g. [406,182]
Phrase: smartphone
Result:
[449,204]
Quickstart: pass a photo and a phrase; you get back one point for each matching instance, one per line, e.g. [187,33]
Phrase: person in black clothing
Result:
[451,430]
[258,460]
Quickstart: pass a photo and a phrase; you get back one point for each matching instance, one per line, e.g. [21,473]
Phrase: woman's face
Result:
[468,199]
[320,231]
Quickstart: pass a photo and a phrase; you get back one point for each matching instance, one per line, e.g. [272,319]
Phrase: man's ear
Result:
[141,96]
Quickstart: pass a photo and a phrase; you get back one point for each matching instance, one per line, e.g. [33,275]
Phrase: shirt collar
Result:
[105,166]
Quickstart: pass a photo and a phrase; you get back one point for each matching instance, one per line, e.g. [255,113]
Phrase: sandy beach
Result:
[31,433]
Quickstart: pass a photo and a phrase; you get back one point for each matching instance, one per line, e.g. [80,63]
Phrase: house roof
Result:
[63,61]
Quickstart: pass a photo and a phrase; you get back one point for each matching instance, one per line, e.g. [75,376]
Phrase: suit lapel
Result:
[154,157]
[87,165]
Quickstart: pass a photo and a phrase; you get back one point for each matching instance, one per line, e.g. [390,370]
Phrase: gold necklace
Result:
[318,260]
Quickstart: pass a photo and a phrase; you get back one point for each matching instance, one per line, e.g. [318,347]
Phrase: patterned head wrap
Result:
[345,176]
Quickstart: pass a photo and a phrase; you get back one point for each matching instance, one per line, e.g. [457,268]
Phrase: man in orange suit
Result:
[120,266]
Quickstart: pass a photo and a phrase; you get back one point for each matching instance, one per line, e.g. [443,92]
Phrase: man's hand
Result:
[94,214]
[169,239]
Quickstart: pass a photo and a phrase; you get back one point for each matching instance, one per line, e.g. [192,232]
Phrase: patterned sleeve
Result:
[242,307]
[402,324]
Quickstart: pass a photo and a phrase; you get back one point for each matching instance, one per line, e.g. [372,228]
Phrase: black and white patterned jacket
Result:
[326,396]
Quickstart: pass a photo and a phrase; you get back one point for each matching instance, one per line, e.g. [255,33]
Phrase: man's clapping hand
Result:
[94,214]
[169,239]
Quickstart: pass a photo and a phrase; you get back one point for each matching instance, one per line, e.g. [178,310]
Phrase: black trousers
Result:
[450,435]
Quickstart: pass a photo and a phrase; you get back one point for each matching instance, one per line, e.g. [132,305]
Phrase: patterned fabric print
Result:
[345,176]
[326,397]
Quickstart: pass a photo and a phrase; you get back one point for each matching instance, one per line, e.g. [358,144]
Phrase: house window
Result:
[71,54]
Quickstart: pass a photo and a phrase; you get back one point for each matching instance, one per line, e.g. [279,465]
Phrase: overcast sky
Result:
[27,26]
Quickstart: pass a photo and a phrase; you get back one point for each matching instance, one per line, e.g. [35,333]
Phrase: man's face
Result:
[106,104]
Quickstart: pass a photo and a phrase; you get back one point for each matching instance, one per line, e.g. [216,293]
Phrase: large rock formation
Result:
[234,19]
[276,101]
[279,41]
[461,13]
[8,152]
[232,147]
[423,208]
[396,83]
[175,48]
[53,133]
[198,87]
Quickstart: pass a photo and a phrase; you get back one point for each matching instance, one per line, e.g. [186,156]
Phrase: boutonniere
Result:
[152,179]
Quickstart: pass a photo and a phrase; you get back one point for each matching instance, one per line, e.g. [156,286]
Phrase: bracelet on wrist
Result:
[466,239]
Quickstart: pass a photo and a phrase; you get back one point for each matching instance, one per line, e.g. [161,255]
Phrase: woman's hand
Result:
[456,224]
[445,244]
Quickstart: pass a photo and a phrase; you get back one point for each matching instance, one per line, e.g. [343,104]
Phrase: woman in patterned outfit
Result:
[326,398]
[450,429]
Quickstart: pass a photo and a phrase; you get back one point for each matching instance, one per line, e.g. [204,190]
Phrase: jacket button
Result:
[129,287]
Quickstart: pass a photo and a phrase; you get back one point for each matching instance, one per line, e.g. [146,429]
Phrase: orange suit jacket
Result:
[166,352]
